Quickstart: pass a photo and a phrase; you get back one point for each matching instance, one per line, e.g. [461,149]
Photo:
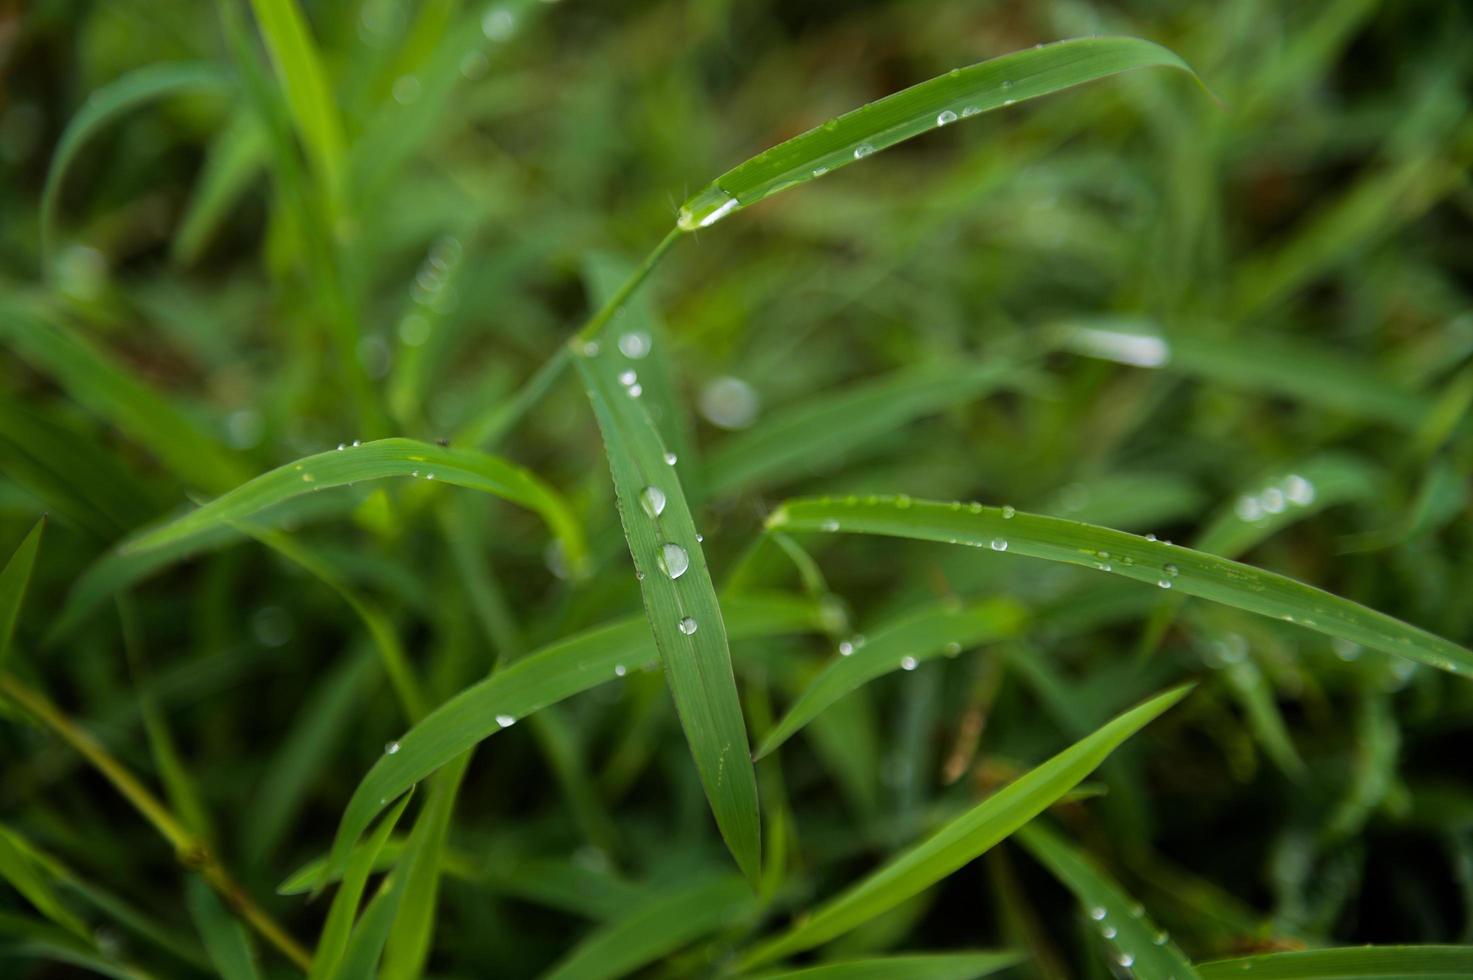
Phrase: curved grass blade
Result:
[104,105]
[916,966]
[13,581]
[1163,565]
[549,675]
[960,93]
[373,461]
[965,837]
[103,386]
[679,599]
[332,945]
[903,645]
[225,938]
[797,441]
[657,929]
[1139,946]
[1357,963]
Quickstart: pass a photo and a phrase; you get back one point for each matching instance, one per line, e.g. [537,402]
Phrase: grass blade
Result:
[332,945]
[960,93]
[1156,562]
[225,938]
[680,601]
[105,105]
[13,581]
[915,966]
[1140,947]
[549,675]
[374,461]
[657,929]
[26,876]
[965,837]
[1358,963]
[902,645]
[234,159]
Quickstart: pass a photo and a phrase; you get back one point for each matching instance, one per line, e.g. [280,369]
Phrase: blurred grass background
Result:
[1302,252]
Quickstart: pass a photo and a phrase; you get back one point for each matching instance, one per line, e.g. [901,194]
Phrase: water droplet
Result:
[1126,960]
[700,538]
[970,111]
[1137,910]
[620,670]
[1165,583]
[688,626]
[1171,571]
[909,663]
[342,446]
[820,171]
[1161,938]
[1346,650]
[498,23]
[670,459]
[406,89]
[413,473]
[308,477]
[952,649]
[356,443]
[1097,913]
[1248,509]
[652,499]
[902,501]
[1007,83]
[999,544]
[391,748]
[1298,490]
[634,391]
[946,117]
[729,403]
[635,345]
[1272,500]
[863,150]
[1150,537]
[1008,512]
[830,525]
[705,209]
[590,349]
[506,721]
[673,560]
[1108,932]
[846,649]
[627,378]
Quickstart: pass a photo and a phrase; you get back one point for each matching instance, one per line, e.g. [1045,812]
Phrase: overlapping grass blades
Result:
[1357,963]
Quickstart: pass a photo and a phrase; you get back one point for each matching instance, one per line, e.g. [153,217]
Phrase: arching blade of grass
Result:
[1157,563]
[914,966]
[103,386]
[225,939]
[657,929]
[13,581]
[333,943]
[795,442]
[549,675]
[905,644]
[679,599]
[958,94]
[104,105]
[1357,963]
[964,838]
[1139,946]
[374,461]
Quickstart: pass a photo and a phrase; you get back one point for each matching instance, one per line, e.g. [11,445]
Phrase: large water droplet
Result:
[688,626]
[846,649]
[1097,913]
[730,403]
[1272,500]
[705,209]
[1165,583]
[945,117]
[670,459]
[909,663]
[391,748]
[506,721]
[863,150]
[635,344]
[673,560]
[498,23]
[635,391]
[1126,960]
[999,544]
[1299,490]
[627,378]
[1008,512]
[652,499]
[1108,932]
[1248,509]
[620,670]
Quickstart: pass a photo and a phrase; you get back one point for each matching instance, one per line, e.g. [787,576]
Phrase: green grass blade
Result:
[1158,563]
[901,645]
[965,837]
[373,461]
[544,677]
[234,159]
[656,930]
[332,945]
[1356,963]
[914,966]
[1138,945]
[1282,498]
[105,105]
[13,581]
[680,601]
[102,385]
[819,430]
[314,110]
[30,879]
[960,93]
[225,938]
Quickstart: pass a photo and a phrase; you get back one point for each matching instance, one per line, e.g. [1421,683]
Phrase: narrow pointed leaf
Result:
[960,93]
[225,938]
[915,966]
[333,943]
[680,601]
[1354,963]
[1160,564]
[965,837]
[13,581]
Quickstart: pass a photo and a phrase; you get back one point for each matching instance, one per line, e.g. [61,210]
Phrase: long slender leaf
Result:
[964,838]
[680,601]
[225,939]
[958,94]
[912,966]
[106,104]
[545,677]
[13,581]
[1355,963]
[333,943]
[1158,563]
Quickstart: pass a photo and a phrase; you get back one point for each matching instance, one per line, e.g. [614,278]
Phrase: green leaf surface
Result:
[959,94]
[106,104]
[13,581]
[680,601]
[963,838]
[332,945]
[913,966]
[904,645]
[225,938]
[1352,963]
[1160,564]
[1137,944]
[558,671]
